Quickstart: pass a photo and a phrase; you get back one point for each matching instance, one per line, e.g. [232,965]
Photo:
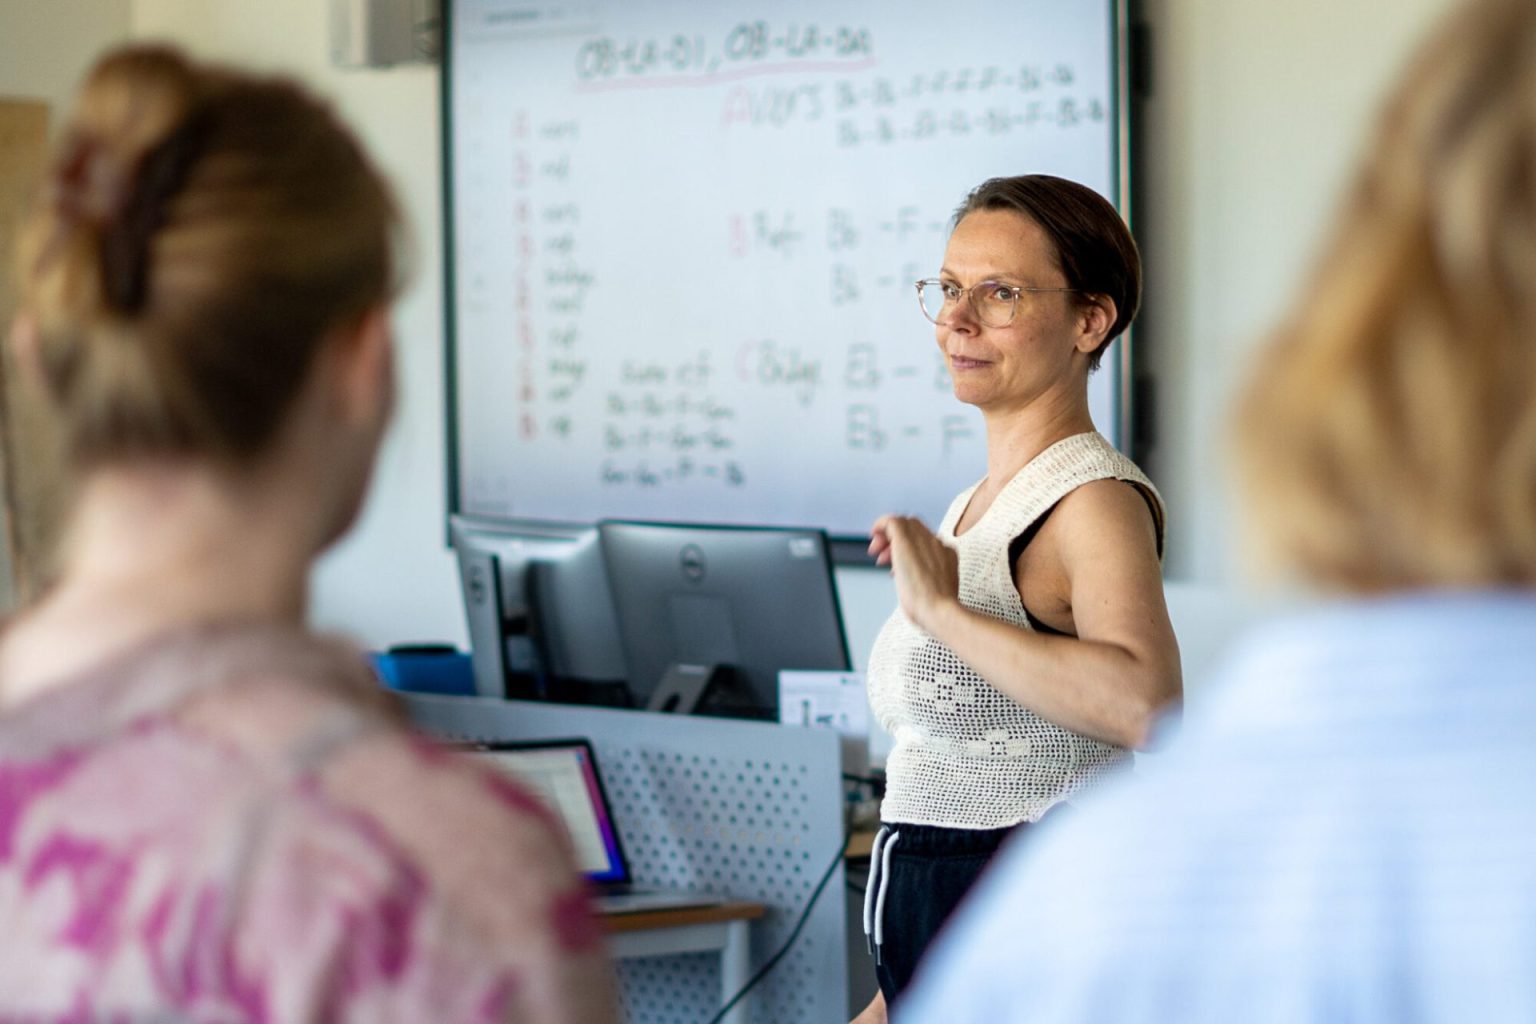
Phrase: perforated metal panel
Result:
[746,810]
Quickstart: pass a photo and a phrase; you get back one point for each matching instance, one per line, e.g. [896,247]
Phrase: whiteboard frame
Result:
[846,549]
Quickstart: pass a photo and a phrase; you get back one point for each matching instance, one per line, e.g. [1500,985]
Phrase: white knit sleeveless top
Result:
[965,754]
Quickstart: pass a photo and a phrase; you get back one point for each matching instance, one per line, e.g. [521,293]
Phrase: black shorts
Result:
[918,875]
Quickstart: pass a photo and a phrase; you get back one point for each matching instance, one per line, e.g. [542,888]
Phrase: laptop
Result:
[563,773]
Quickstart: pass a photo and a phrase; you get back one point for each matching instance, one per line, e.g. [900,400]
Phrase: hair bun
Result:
[204,232]
[141,209]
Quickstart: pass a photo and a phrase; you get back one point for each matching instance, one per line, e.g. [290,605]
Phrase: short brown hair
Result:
[1094,248]
[199,232]
[1387,438]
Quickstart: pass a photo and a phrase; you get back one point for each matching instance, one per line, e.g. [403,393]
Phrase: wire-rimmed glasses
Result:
[994,303]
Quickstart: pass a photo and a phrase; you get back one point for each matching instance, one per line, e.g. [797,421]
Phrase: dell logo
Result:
[477,588]
[692,562]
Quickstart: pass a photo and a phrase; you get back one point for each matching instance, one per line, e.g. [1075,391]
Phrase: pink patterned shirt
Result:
[232,825]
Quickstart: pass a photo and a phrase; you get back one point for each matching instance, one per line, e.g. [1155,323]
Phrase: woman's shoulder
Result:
[309,707]
[465,823]
[496,869]
[1108,512]
[1081,458]
[246,685]
[473,873]
[1094,486]
[313,713]
[1081,471]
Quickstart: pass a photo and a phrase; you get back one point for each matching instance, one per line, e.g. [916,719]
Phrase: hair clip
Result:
[126,238]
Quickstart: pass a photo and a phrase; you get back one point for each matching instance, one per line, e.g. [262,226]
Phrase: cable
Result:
[793,935]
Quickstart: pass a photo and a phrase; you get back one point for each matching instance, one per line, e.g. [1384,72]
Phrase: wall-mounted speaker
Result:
[383,33]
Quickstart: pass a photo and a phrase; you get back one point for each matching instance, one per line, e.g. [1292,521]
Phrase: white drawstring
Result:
[870,885]
[885,880]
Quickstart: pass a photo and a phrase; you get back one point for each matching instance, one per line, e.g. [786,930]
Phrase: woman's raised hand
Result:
[926,570]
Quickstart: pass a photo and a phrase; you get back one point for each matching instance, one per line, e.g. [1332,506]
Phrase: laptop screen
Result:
[564,776]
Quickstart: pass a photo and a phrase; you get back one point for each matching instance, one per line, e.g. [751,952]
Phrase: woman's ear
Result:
[362,354]
[1095,316]
[26,351]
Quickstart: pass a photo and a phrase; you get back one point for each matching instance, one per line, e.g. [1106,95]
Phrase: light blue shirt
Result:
[1345,830]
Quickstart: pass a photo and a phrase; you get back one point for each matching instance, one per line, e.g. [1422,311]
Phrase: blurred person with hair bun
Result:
[208,812]
[1346,828]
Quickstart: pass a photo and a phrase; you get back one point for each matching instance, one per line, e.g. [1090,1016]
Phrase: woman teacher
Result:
[1032,650]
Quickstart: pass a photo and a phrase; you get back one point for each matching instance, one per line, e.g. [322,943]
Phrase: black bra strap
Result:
[1018,544]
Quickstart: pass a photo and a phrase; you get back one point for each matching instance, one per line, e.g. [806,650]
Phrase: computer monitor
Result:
[747,601]
[541,624]
[563,773]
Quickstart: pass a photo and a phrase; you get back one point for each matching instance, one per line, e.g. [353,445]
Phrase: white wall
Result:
[1256,115]
[46,44]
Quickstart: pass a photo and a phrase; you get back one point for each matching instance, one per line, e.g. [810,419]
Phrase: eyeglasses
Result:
[993,302]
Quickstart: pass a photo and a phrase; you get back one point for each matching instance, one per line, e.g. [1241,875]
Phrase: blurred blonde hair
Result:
[1387,437]
[200,231]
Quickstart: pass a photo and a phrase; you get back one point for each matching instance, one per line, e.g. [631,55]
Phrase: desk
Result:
[669,772]
[861,843]
[723,927]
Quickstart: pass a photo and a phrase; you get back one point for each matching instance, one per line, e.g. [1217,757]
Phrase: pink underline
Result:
[694,81]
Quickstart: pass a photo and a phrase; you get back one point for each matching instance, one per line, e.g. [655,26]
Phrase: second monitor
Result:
[726,606]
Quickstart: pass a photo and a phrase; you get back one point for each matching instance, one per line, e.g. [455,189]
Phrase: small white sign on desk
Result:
[830,700]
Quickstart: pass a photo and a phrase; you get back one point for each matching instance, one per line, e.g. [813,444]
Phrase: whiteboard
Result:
[683,239]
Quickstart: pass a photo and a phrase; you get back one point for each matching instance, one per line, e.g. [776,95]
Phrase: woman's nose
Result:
[959,315]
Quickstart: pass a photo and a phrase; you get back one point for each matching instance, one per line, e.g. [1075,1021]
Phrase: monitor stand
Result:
[682,688]
[595,692]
